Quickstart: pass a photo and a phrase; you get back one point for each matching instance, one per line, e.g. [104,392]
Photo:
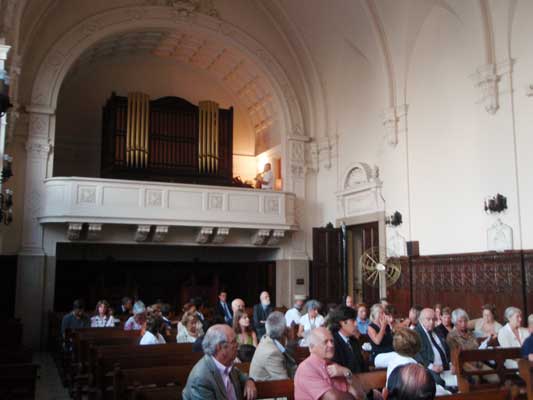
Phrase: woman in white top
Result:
[309,321]
[102,317]
[188,333]
[152,335]
[487,325]
[512,334]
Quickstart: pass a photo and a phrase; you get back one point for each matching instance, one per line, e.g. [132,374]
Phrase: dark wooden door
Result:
[326,268]
[370,238]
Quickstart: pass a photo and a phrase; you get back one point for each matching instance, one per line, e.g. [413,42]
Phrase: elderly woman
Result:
[446,324]
[487,325]
[189,333]
[243,329]
[102,317]
[512,334]
[137,320]
[311,320]
[379,331]
[460,337]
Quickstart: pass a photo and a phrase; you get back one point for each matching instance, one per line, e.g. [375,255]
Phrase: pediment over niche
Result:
[361,191]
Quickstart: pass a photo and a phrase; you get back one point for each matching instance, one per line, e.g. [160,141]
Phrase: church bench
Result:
[497,359]
[525,368]
[17,381]
[161,393]
[275,389]
[126,380]
[494,394]
[104,359]
[300,353]
[372,380]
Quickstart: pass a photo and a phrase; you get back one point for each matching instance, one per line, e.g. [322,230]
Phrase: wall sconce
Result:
[394,219]
[6,206]
[495,204]
[7,170]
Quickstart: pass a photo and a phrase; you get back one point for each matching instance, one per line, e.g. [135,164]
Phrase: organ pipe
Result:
[137,130]
[208,155]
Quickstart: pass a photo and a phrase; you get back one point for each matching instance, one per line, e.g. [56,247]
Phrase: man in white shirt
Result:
[294,314]
[267,180]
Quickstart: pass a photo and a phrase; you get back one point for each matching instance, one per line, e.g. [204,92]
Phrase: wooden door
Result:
[326,268]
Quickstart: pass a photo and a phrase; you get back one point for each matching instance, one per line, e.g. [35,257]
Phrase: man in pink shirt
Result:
[318,378]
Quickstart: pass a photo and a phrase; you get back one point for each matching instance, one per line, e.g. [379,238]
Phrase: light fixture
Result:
[6,206]
[495,204]
[394,219]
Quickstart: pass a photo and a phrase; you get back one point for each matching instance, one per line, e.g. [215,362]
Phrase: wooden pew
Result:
[376,379]
[106,358]
[162,393]
[300,354]
[494,394]
[525,368]
[274,389]
[126,380]
[17,381]
[498,356]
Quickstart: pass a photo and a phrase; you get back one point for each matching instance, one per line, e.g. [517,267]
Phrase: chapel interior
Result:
[398,134]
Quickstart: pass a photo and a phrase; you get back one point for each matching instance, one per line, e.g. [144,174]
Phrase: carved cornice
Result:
[395,123]
[221,235]
[204,235]
[74,231]
[160,233]
[323,152]
[94,231]
[260,237]
[490,80]
[142,232]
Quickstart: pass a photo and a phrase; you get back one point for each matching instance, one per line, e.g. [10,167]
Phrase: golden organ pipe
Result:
[137,130]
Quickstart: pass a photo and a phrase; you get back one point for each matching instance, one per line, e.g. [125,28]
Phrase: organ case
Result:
[168,139]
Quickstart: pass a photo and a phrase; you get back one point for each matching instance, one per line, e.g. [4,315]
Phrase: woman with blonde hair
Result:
[243,329]
[190,332]
[379,331]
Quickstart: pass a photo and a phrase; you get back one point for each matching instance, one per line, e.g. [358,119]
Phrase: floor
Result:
[49,385]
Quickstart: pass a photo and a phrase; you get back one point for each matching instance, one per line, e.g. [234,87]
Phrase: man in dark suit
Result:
[261,313]
[347,348]
[213,377]
[223,309]
[434,353]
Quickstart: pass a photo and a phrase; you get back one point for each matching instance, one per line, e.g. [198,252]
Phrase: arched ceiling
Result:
[229,66]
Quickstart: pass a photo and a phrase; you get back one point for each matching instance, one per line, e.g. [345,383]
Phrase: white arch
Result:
[73,43]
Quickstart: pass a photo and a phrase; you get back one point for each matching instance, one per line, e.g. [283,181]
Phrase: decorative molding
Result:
[272,205]
[276,237]
[395,123]
[220,236]
[74,231]
[187,8]
[154,198]
[204,235]
[160,233]
[361,191]
[94,231]
[87,195]
[142,232]
[323,152]
[215,201]
[489,79]
[260,237]
[499,236]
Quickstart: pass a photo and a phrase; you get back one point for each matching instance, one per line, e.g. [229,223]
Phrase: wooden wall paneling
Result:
[528,281]
[400,293]
[326,269]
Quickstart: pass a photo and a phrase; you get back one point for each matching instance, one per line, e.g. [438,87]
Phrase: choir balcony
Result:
[123,211]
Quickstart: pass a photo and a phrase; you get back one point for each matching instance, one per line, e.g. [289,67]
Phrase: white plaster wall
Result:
[82,96]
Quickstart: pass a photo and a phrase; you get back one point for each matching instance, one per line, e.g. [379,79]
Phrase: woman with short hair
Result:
[138,319]
[512,334]
[446,324]
[309,321]
[102,317]
[190,332]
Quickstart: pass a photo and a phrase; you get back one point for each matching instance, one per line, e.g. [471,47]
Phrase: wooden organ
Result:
[168,139]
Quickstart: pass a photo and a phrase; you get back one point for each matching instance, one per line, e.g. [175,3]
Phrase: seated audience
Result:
[318,378]
[446,324]
[348,301]
[102,317]
[362,318]
[379,331]
[460,337]
[214,377]
[512,334]
[76,319]
[406,344]
[343,327]
[390,313]
[189,331]
[527,346]
[412,319]
[293,315]
[438,314]
[243,329]
[154,327]
[312,319]
[125,309]
[200,308]
[237,305]
[487,325]
[434,353]
[261,313]
[410,382]
[222,308]
[271,361]
[137,320]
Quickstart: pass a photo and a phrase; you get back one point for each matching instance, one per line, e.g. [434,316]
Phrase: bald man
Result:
[261,313]
[434,353]
[317,377]
[237,305]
